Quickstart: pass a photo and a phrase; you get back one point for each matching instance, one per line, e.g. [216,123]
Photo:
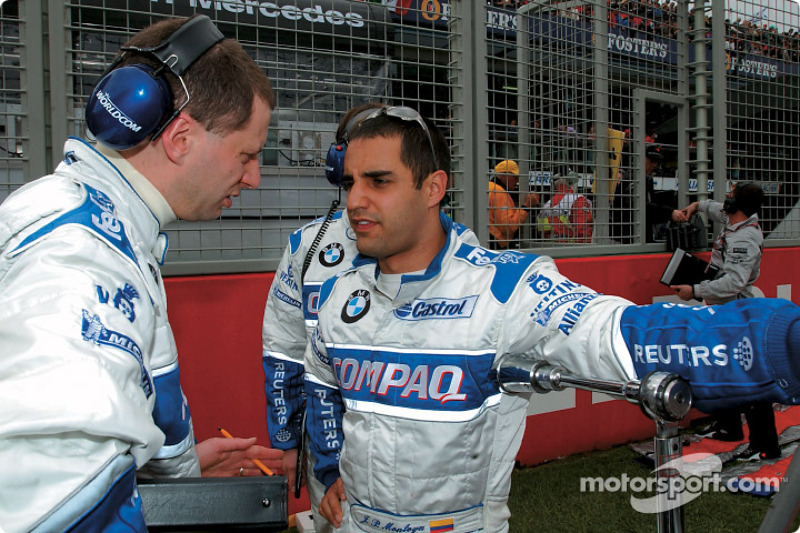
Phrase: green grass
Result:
[547,498]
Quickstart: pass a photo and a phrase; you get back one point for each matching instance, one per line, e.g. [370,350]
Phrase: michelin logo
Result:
[437,308]
[282,296]
[93,330]
[542,316]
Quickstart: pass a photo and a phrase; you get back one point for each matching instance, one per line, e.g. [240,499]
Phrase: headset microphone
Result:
[334,163]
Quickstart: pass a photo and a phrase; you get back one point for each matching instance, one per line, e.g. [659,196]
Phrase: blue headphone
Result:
[134,102]
[334,161]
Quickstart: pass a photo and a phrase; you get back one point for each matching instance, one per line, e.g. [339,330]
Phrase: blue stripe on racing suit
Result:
[108,503]
[325,415]
[741,352]
[284,381]
[171,412]
[120,510]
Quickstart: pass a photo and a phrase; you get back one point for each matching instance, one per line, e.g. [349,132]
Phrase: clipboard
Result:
[687,269]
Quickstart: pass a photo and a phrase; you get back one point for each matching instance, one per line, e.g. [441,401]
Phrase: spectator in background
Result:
[737,248]
[656,212]
[504,216]
[737,255]
[567,216]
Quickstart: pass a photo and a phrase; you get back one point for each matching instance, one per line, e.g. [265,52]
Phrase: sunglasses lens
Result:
[406,113]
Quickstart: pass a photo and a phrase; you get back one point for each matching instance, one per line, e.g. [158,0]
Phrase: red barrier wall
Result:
[217,326]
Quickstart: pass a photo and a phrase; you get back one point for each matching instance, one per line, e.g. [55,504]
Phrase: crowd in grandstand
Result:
[650,18]
[748,37]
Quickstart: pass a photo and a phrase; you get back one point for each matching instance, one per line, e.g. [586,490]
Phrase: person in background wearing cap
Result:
[89,377]
[656,213]
[505,217]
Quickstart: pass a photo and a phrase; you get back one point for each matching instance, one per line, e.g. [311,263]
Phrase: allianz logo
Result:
[437,308]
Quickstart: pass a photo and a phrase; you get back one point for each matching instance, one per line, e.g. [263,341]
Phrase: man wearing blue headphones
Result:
[409,427]
[316,252]
[89,377]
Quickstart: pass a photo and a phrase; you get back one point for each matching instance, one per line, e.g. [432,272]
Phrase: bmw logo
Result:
[356,307]
[332,255]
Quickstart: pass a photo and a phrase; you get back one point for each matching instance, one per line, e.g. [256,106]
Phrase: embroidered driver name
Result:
[93,330]
[357,306]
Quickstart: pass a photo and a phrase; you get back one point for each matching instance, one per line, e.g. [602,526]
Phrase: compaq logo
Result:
[105,100]
[440,383]
[437,308]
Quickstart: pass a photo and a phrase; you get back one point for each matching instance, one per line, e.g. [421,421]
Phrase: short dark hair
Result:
[415,151]
[748,198]
[222,83]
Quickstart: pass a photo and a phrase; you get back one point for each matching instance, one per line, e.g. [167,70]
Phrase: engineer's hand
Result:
[330,508]
[223,457]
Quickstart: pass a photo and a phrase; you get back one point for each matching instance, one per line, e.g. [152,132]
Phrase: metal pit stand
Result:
[663,397]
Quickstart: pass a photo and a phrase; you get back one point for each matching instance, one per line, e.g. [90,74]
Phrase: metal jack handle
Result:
[663,397]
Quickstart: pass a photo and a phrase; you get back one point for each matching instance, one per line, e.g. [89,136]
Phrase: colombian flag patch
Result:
[440,526]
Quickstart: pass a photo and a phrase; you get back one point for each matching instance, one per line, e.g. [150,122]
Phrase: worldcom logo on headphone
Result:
[104,99]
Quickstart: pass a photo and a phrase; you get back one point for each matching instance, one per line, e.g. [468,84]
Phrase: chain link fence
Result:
[572,92]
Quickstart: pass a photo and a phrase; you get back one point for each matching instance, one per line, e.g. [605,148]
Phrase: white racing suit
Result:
[290,314]
[737,254]
[88,368]
[404,402]
[290,317]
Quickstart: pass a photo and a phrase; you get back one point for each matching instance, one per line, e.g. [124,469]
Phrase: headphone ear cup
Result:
[127,106]
[334,163]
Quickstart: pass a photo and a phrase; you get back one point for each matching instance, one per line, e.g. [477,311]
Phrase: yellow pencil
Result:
[258,463]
